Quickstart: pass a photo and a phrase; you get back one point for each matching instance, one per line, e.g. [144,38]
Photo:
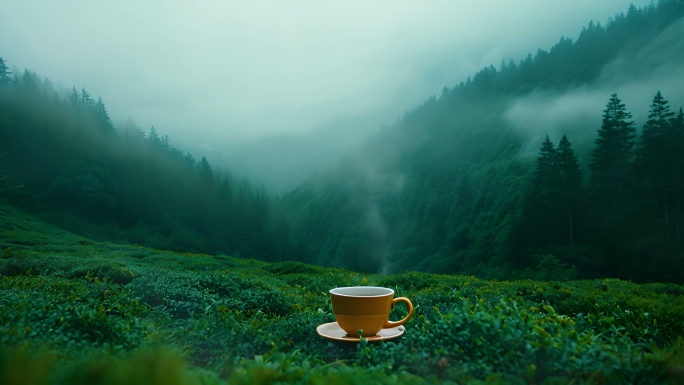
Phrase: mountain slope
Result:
[442,189]
[61,159]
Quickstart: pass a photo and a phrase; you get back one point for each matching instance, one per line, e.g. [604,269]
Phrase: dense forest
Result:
[445,189]
[63,160]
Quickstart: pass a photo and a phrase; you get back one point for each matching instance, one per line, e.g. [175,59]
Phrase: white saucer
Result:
[333,331]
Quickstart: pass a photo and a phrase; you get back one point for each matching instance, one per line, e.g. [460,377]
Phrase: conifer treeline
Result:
[63,159]
[628,212]
[463,199]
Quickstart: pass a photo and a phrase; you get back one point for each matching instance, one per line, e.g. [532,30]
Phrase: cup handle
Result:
[409,305]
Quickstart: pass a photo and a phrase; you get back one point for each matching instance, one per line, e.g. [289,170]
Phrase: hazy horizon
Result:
[297,79]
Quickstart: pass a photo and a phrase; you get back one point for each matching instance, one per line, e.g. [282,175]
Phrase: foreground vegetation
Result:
[76,311]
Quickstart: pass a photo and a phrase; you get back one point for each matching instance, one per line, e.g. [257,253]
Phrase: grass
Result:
[75,311]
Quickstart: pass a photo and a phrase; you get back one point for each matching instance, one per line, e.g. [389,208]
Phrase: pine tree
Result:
[612,185]
[73,97]
[655,155]
[103,117]
[612,157]
[657,165]
[534,229]
[545,174]
[28,83]
[189,160]
[133,132]
[206,176]
[568,165]
[204,170]
[5,73]
[86,100]
[153,137]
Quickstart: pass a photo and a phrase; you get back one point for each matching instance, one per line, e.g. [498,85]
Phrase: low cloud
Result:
[235,73]
[635,77]
[542,113]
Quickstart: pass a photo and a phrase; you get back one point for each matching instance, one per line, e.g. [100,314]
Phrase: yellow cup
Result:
[366,308]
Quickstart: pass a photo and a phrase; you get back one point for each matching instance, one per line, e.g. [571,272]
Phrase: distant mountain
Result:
[444,189]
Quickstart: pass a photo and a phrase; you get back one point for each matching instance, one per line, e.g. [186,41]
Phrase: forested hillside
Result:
[62,158]
[448,188]
[451,187]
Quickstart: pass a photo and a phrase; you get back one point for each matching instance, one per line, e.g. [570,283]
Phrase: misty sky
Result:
[217,74]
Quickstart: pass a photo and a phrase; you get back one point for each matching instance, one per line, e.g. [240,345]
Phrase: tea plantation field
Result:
[74,311]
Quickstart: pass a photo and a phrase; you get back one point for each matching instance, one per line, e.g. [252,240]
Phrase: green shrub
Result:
[248,321]
[473,341]
[292,267]
[409,281]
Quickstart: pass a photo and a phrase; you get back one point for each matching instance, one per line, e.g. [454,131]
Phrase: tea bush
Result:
[73,318]
[474,340]
[292,267]
[409,281]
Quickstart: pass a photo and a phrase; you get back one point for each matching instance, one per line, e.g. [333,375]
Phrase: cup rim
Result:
[388,293]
